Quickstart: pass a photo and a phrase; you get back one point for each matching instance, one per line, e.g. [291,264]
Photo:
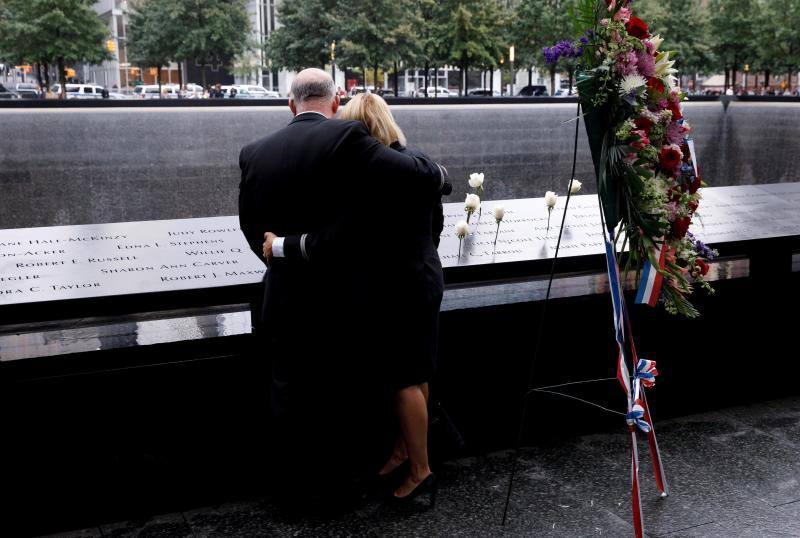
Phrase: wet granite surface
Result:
[733,473]
[118,165]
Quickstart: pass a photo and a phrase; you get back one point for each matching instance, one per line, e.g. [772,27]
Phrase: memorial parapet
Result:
[45,273]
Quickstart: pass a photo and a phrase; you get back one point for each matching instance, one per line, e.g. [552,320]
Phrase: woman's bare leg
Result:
[412,412]
[400,452]
[399,455]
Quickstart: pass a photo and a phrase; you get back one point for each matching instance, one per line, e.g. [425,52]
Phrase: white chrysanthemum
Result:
[631,82]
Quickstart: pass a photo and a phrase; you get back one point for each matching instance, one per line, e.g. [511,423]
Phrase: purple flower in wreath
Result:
[562,49]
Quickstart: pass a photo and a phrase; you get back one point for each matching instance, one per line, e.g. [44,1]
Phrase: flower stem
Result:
[494,247]
[459,247]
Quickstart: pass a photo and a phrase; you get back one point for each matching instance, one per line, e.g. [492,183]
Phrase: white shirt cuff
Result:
[277,248]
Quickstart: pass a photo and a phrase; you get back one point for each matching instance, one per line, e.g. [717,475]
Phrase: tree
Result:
[304,37]
[685,27]
[732,25]
[60,32]
[432,19]
[525,33]
[152,37]
[557,25]
[475,34]
[778,49]
[211,30]
[370,31]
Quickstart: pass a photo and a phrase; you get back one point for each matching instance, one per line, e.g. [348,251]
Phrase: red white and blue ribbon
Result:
[650,284]
[638,413]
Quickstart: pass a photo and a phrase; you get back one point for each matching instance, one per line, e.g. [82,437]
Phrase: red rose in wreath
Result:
[702,267]
[644,124]
[655,85]
[680,227]
[675,108]
[670,158]
[637,28]
[694,185]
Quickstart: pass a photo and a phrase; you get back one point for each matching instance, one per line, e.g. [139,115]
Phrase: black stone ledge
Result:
[769,258]
[205,103]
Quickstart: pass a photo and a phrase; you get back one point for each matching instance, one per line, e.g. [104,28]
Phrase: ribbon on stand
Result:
[646,373]
[638,414]
[650,284]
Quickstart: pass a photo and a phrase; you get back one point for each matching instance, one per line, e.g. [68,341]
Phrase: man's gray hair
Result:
[305,88]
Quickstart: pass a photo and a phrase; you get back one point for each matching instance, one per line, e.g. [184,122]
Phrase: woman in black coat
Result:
[407,313]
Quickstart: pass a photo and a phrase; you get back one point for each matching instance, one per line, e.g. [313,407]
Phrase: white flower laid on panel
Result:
[498,212]
[462,229]
[476,182]
[550,199]
[471,204]
[575,186]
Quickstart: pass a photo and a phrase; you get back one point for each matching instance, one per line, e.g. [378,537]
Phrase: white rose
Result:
[498,212]
[550,199]
[462,228]
[472,202]
[576,187]
[476,180]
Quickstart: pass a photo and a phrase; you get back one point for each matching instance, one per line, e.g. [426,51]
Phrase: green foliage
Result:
[153,39]
[475,32]
[211,29]
[63,32]
[431,19]
[685,27]
[732,24]
[304,37]
[370,31]
[778,41]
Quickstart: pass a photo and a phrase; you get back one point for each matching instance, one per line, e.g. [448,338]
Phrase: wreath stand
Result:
[637,415]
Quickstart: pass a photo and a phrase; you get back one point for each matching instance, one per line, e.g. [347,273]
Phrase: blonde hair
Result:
[371,110]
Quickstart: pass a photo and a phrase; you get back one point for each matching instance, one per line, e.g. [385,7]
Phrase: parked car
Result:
[355,90]
[436,91]
[150,91]
[483,93]
[5,94]
[193,91]
[79,91]
[245,91]
[533,91]
[28,90]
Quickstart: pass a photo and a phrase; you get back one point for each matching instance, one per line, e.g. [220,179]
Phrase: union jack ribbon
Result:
[650,284]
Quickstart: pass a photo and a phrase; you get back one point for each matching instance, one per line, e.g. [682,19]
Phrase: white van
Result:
[80,91]
[150,91]
[244,91]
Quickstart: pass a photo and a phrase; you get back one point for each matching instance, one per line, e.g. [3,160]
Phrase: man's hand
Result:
[269,237]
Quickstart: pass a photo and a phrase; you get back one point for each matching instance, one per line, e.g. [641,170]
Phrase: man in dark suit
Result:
[330,176]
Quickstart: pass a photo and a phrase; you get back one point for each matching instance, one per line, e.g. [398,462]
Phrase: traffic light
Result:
[70,72]
[111,45]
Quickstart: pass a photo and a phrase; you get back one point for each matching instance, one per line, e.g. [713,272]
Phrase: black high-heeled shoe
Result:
[429,486]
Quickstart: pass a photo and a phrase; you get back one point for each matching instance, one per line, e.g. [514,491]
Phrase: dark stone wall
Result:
[79,166]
